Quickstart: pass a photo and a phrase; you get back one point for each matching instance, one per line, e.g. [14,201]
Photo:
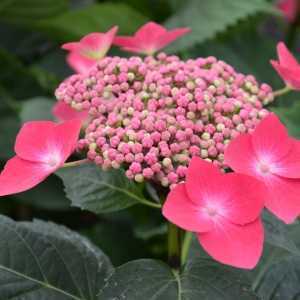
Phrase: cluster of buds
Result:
[152,115]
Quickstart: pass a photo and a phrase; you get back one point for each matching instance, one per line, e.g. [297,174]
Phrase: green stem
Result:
[282,91]
[174,246]
[75,163]
[186,246]
[148,203]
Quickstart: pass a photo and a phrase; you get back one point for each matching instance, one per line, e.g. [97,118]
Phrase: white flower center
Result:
[53,161]
[263,168]
[210,211]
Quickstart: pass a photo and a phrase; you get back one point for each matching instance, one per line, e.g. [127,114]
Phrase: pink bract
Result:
[223,209]
[79,63]
[41,148]
[273,157]
[288,9]
[149,38]
[89,50]
[287,67]
[64,112]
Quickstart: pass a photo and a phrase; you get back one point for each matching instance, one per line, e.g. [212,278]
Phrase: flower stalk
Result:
[174,246]
[282,91]
[75,163]
[186,244]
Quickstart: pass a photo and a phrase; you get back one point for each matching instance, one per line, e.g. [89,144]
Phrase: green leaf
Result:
[278,275]
[38,108]
[29,11]
[207,18]
[206,280]
[88,187]
[201,279]
[141,279]
[42,260]
[277,233]
[97,17]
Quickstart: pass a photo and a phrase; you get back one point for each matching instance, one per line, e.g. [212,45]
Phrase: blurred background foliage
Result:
[243,33]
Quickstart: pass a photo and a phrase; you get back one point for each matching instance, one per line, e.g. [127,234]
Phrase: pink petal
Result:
[171,36]
[243,198]
[149,38]
[286,59]
[89,50]
[270,139]
[289,75]
[124,41]
[179,210]
[47,142]
[289,166]
[289,9]
[79,63]
[240,156]
[150,30]
[64,112]
[136,44]
[20,175]
[238,246]
[236,197]
[202,178]
[95,45]
[284,197]
[66,136]
[33,140]
[72,46]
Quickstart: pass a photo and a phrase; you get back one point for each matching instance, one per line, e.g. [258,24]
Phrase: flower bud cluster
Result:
[152,115]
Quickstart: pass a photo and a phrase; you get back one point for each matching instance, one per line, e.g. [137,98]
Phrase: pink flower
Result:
[273,157]
[89,50]
[42,147]
[64,112]
[149,38]
[287,67]
[223,209]
[289,9]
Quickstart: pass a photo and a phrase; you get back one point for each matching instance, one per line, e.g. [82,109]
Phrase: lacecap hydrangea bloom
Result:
[171,122]
[152,115]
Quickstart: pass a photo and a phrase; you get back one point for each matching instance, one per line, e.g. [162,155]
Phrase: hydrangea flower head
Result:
[152,115]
